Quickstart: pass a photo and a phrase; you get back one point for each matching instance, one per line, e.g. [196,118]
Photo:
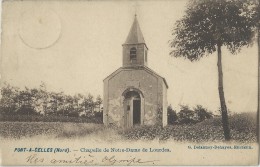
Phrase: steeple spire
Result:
[135,35]
[134,48]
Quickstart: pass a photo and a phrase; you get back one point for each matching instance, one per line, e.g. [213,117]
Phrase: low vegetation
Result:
[96,117]
[243,129]
[38,112]
[18,130]
[186,115]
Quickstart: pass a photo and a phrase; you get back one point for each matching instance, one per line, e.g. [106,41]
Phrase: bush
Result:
[202,113]
[24,110]
[172,116]
[242,126]
[73,114]
[189,116]
[243,122]
[186,115]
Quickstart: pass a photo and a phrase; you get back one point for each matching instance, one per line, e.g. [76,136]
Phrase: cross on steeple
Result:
[135,35]
[136,7]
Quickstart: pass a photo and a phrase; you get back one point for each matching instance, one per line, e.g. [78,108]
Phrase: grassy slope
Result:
[243,129]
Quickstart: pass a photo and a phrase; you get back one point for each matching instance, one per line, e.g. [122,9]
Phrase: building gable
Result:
[150,71]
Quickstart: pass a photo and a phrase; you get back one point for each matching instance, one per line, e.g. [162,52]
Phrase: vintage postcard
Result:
[140,83]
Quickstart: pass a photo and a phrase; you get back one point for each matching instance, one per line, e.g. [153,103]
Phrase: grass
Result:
[50,118]
[243,129]
[19,130]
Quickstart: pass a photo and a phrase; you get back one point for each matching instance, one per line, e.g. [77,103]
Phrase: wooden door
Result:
[127,113]
[137,112]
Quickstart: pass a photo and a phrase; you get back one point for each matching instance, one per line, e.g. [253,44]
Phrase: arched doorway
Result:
[132,108]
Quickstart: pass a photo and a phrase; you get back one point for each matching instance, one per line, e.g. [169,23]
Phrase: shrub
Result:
[243,122]
[242,126]
[73,114]
[186,115]
[172,116]
[189,116]
[202,113]
[243,129]
[24,110]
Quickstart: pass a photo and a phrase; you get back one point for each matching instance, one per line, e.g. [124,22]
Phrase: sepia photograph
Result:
[119,83]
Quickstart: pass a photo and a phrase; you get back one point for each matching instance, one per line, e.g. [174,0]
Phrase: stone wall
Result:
[151,86]
[141,48]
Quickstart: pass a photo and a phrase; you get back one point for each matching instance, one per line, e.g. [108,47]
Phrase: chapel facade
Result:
[134,94]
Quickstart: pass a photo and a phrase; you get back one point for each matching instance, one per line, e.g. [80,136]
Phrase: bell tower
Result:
[134,48]
[134,88]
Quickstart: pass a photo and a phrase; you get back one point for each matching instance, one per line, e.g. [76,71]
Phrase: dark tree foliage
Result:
[257,9]
[9,100]
[172,116]
[252,11]
[207,26]
[186,115]
[39,102]
[192,116]
[202,113]
[208,23]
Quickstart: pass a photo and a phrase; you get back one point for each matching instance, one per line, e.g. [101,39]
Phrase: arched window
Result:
[133,53]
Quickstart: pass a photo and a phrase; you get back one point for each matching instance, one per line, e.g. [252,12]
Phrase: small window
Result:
[133,53]
[145,56]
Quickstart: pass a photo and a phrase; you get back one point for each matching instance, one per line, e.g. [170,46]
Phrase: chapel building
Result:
[134,94]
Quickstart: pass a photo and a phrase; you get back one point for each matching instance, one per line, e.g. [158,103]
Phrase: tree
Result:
[186,115]
[53,103]
[257,9]
[202,113]
[26,98]
[206,27]
[43,97]
[77,104]
[256,22]
[60,102]
[9,101]
[98,102]
[89,103]
[252,11]
[172,116]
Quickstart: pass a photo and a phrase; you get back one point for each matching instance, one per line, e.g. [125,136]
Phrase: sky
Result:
[72,46]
